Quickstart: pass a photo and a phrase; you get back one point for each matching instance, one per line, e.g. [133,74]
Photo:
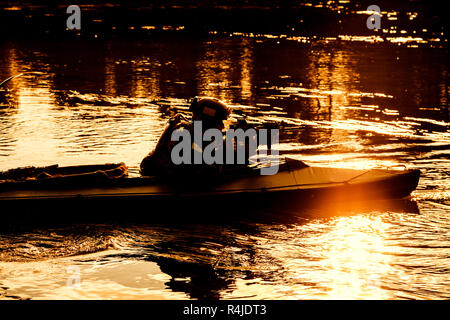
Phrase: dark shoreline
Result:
[139,19]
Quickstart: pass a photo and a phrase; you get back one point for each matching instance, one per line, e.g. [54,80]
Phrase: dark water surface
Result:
[346,101]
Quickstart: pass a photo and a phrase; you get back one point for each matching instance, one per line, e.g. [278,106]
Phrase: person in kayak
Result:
[212,113]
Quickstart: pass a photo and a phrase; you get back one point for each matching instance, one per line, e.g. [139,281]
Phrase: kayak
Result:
[108,186]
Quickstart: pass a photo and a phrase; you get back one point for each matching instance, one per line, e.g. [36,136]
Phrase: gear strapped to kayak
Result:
[60,177]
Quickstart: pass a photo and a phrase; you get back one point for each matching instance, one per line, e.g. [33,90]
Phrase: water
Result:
[345,100]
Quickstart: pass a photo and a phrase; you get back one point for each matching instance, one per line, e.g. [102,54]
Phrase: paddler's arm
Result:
[162,148]
[166,136]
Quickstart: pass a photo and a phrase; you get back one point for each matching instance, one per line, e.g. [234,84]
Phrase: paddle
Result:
[9,79]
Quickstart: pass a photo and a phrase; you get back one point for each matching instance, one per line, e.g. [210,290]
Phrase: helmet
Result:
[210,108]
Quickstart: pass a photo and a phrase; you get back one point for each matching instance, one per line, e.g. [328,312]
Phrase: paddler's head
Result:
[212,112]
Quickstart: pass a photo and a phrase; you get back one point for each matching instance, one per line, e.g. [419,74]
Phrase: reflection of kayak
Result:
[295,182]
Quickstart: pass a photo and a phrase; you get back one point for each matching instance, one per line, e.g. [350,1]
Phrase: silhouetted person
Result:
[212,113]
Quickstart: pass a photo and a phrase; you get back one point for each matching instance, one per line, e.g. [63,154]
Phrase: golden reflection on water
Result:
[331,74]
[346,257]
[246,69]
[34,127]
[110,76]
[146,86]
[355,259]
[443,94]
[213,70]
[217,70]
[13,69]
[38,127]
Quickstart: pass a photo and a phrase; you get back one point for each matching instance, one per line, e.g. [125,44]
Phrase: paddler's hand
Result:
[176,119]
